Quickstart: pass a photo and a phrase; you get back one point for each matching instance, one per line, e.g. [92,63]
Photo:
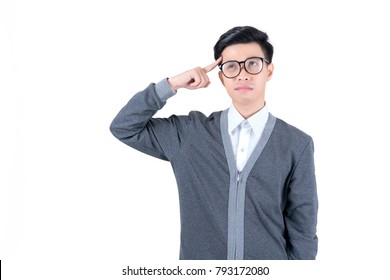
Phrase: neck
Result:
[248,110]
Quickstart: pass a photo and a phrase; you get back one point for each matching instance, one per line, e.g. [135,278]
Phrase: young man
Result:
[246,179]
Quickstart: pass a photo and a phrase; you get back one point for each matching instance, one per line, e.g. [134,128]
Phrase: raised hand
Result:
[194,78]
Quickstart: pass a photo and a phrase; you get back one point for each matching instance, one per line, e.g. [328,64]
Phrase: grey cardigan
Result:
[267,211]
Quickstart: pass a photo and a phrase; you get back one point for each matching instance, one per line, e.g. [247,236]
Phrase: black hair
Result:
[243,35]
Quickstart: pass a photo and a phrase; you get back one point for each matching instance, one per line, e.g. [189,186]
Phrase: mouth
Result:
[243,88]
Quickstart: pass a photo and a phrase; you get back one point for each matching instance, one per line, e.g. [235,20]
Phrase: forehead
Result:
[242,51]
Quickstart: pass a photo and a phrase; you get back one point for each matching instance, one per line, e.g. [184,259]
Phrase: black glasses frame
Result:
[240,62]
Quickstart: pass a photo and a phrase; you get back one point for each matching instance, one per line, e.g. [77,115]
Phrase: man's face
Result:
[246,89]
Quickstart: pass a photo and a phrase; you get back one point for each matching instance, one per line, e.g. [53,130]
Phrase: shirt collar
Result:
[256,121]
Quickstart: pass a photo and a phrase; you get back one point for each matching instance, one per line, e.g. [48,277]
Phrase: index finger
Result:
[212,65]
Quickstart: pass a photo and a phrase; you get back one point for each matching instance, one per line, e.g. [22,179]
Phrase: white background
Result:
[75,203]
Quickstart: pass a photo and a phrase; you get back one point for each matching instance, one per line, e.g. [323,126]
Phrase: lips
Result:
[243,88]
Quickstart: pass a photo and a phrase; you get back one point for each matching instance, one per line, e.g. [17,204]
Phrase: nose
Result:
[244,75]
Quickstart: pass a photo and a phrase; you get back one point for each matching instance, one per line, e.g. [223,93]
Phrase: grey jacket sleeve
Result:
[134,125]
[301,208]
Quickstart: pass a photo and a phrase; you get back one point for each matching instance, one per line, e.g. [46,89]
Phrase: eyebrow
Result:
[223,61]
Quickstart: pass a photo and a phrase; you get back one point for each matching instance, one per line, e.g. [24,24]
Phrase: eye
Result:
[230,66]
[253,62]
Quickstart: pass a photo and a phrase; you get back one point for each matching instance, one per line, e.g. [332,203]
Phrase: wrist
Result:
[171,82]
[163,90]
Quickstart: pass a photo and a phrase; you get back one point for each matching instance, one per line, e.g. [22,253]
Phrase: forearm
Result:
[134,116]
[302,206]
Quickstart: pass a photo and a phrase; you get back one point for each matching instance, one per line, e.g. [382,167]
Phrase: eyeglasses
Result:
[252,65]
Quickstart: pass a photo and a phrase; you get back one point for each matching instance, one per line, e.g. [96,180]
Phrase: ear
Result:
[270,71]
[220,75]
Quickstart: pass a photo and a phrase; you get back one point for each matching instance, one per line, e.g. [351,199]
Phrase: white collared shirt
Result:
[245,133]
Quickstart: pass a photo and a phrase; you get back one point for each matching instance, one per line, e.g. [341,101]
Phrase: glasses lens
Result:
[231,68]
[253,65]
